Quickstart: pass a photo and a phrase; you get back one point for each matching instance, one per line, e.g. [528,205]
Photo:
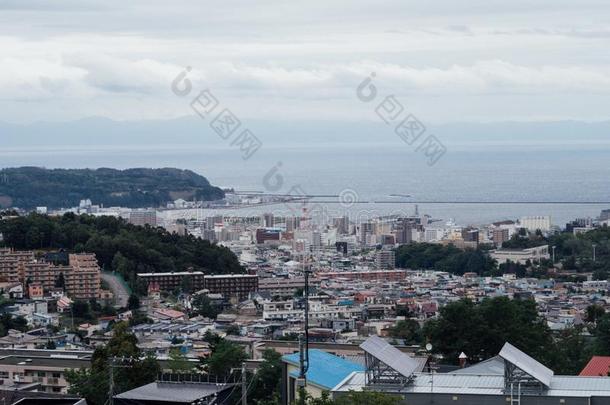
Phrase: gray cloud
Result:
[116,59]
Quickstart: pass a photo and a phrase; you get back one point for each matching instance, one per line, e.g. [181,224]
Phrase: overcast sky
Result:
[449,60]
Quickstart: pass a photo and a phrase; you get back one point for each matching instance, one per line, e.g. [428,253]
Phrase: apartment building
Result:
[43,273]
[281,286]
[385,259]
[232,285]
[81,275]
[367,275]
[45,367]
[12,264]
[84,280]
[172,280]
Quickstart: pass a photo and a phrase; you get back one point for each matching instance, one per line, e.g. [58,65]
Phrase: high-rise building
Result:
[470,235]
[366,230]
[267,234]
[292,223]
[268,220]
[385,259]
[342,225]
[500,235]
[81,276]
[143,217]
[404,233]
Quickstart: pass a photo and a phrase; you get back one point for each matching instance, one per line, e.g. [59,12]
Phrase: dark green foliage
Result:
[203,306]
[368,398]
[522,240]
[409,330]
[133,302]
[225,356]
[443,258]
[594,312]
[119,246]
[93,383]
[8,321]
[82,310]
[30,187]
[60,282]
[481,330]
[138,318]
[186,285]
[267,380]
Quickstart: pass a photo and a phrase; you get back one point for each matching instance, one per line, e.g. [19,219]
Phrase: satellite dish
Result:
[429,346]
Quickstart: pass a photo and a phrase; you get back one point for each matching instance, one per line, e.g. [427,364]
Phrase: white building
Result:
[537,222]
[521,255]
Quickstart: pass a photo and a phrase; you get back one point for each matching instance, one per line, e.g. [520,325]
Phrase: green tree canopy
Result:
[92,383]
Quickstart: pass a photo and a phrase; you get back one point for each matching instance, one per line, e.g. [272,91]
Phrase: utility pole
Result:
[554,254]
[244,388]
[304,343]
[594,246]
[111,381]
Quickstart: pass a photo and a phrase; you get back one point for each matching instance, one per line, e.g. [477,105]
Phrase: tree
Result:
[602,336]
[202,305]
[408,330]
[92,383]
[594,312]
[134,302]
[61,282]
[178,362]
[368,398]
[226,355]
[186,285]
[571,352]
[81,309]
[267,380]
[481,330]
[233,330]
[8,321]
[127,249]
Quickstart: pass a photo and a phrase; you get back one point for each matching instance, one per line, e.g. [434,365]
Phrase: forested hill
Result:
[29,187]
[119,246]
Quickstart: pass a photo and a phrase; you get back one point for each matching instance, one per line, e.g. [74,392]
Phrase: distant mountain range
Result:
[29,187]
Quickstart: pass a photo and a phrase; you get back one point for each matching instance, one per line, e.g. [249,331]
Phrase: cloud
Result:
[117,58]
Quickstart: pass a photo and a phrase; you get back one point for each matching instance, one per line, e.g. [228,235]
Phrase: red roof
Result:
[597,366]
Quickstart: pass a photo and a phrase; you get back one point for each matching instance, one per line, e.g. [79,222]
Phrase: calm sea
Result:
[369,175]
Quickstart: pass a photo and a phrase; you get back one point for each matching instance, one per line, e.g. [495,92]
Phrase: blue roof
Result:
[325,370]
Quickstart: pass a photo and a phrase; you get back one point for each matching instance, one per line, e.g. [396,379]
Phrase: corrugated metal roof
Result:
[325,369]
[389,355]
[493,366]
[475,384]
[527,364]
[173,392]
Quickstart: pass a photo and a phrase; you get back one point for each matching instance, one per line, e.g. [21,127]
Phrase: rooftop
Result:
[597,366]
[325,370]
[173,392]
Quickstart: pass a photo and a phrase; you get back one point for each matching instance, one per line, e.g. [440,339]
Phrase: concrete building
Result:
[385,259]
[143,217]
[81,276]
[499,236]
[537,222]
[521,255]
[511,377]
[172,280]
[45,367]
[232,285]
